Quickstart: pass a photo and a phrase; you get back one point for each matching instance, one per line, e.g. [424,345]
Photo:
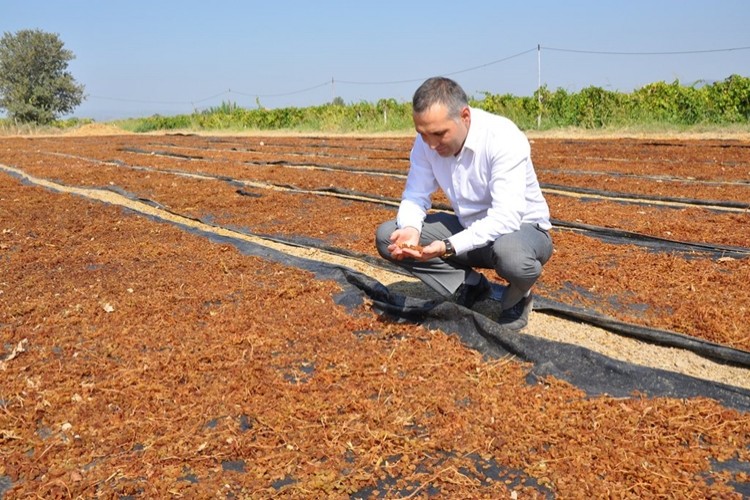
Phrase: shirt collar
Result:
[471,141]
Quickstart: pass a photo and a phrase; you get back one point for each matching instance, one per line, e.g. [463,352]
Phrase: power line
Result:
[680,52]
[301,91]
[285,93]
[229,91]
[213,96]
[140,101]
[445,74]
[538,48]
[493,62]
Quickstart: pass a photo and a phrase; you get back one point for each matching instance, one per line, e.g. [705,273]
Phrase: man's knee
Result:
[383,237]
[518,267]
[516,259]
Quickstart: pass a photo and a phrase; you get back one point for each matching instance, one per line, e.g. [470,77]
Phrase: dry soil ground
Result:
[145,356]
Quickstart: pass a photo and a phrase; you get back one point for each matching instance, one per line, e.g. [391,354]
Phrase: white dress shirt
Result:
[491,184]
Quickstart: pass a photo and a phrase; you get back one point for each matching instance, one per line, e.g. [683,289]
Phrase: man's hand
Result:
[433,250]
[405,244]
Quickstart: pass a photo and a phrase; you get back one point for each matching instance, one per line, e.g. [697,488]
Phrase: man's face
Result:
[442,133]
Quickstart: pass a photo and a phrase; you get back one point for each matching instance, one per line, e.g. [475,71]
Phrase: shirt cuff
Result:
[462,242]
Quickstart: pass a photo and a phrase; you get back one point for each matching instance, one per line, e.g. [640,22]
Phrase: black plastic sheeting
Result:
[5,484]
[707,349]
[260,163]
[662,337]
[657,178]
[592,372]
[389,486]
[609,235]
[711,350]
[641,198]
[634,196]
[622,237]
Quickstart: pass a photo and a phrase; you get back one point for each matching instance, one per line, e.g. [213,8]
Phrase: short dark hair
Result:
[440,90]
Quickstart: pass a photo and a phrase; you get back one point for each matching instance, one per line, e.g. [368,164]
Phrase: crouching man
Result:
[482,162]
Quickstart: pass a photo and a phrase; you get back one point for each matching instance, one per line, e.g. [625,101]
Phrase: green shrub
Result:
[729,100]
[653,105]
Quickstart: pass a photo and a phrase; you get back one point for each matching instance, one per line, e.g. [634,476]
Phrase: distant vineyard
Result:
[720,103]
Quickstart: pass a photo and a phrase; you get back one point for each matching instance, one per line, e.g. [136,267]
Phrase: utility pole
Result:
[539,84]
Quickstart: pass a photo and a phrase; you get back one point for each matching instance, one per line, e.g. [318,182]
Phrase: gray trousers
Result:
[517,257]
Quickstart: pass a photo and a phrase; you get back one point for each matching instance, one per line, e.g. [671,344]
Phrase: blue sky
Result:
[138,58]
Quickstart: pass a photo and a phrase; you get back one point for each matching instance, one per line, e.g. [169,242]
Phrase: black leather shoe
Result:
[468,295]
[517,317]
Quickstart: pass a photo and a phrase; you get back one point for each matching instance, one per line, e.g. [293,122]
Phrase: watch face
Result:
[448,247]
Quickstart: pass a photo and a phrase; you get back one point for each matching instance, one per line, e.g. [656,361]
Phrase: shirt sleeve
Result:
[420,185]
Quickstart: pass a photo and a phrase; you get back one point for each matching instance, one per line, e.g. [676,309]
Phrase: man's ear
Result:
[466,115]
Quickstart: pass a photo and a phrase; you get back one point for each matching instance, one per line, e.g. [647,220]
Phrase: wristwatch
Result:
[449,250]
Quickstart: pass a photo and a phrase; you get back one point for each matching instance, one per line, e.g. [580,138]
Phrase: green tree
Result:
[35,86]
